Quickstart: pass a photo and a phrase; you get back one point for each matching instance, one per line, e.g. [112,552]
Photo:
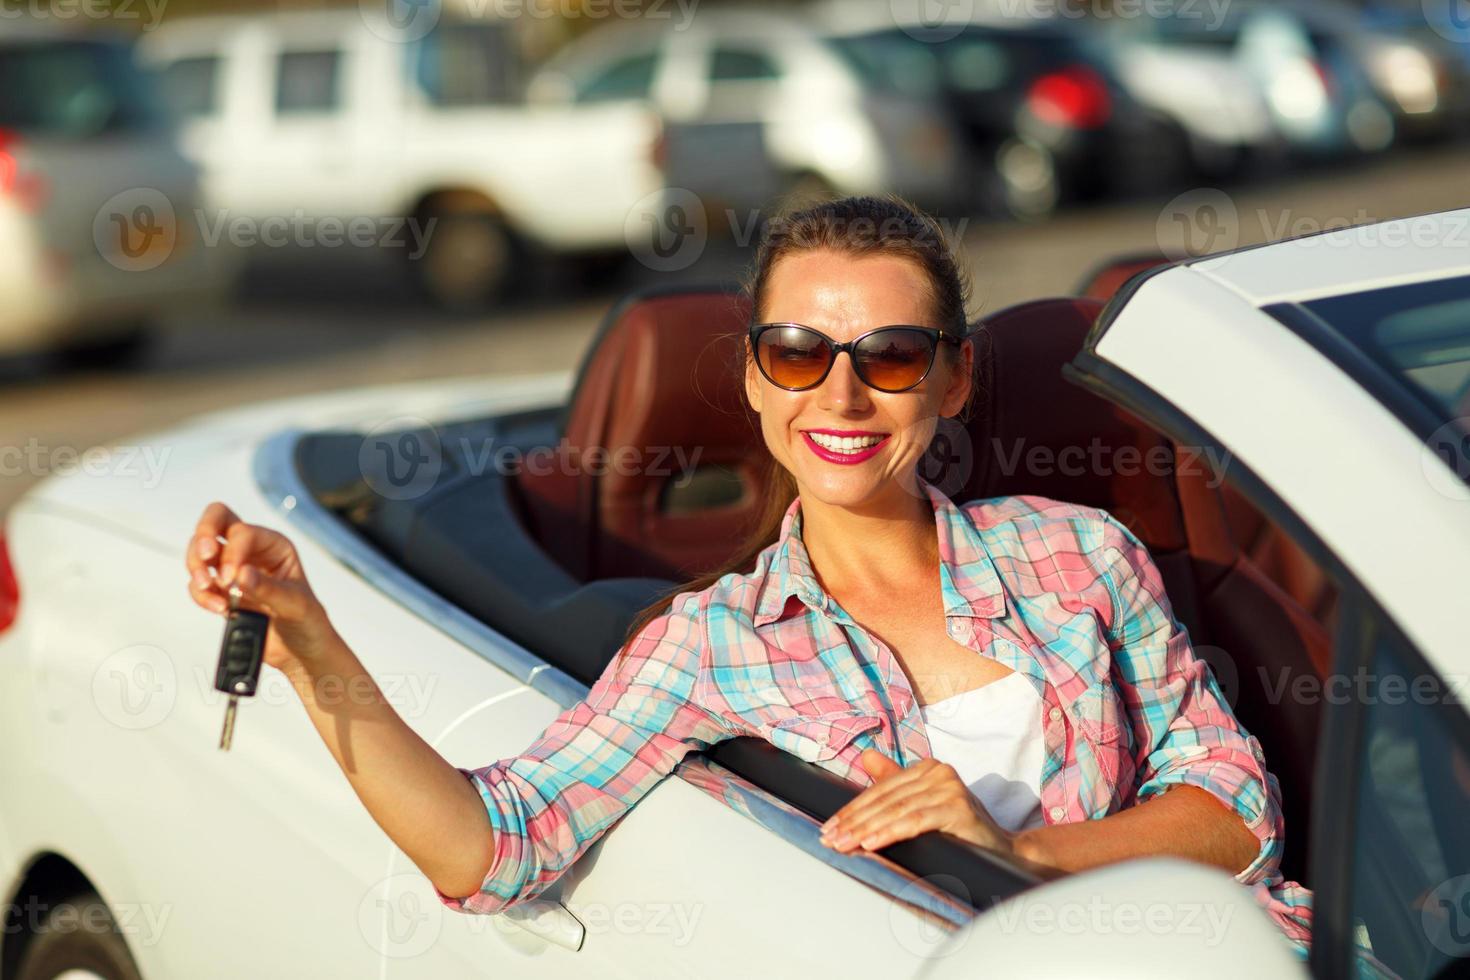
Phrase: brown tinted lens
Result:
[892,360]
[793,357]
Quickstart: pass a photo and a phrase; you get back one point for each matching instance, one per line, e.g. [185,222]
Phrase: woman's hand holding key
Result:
[424,804]
[264,564]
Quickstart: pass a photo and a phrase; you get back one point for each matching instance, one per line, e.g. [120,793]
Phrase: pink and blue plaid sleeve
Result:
[1184,729]
[595,760]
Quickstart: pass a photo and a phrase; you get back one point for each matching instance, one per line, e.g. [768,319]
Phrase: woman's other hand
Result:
[906,802]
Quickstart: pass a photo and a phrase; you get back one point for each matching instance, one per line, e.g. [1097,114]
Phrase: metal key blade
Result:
[229,730]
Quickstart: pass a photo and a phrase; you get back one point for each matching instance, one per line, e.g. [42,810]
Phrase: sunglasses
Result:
[892,359]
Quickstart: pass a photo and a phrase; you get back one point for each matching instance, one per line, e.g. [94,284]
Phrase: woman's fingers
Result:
[852,830]
[880,793]
[203,547]
[286,599]
[904,817]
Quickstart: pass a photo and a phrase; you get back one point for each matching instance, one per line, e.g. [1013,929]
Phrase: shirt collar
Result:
[967,575]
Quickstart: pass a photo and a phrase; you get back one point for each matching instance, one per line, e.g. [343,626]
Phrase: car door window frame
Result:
[1360,621]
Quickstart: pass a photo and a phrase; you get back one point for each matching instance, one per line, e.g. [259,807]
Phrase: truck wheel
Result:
[79,941]
[467,261]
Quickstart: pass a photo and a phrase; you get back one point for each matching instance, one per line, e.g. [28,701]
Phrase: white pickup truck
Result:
[321,124]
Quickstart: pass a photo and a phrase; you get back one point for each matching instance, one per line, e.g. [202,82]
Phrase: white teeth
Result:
[844,444]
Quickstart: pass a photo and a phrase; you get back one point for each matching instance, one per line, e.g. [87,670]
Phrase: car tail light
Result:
[1075,96]
[9,588]
[29,189]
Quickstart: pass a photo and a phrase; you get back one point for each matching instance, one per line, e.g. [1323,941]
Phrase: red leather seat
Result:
[1103,281]
[660,385]
[1035,432]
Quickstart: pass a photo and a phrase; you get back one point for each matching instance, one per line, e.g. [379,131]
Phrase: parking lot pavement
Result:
[299,332]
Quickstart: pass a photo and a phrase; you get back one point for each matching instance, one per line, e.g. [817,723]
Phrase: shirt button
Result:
[1057,813]
[1055,714]
[954,629]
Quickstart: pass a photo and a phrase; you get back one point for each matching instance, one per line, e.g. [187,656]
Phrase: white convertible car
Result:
[1284,426]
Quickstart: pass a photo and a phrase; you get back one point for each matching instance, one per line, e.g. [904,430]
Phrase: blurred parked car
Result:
[1186,68]
[1421,75]
[341,115]
[1258,82]
[1043,118]
[95,200]
[1310,62]
[823,126]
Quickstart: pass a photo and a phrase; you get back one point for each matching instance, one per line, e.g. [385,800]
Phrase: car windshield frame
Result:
[1345,327]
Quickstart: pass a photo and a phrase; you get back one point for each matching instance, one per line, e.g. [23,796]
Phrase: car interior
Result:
[560,553]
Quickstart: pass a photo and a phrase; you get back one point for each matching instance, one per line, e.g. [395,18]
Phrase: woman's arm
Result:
[423,803]
[1184,822]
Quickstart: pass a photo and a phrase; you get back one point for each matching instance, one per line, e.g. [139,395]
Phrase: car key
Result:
[240,656]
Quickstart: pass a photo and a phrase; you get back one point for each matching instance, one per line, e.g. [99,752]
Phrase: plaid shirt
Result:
[1064,594]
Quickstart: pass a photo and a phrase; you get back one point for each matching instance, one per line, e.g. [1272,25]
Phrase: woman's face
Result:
[844,296]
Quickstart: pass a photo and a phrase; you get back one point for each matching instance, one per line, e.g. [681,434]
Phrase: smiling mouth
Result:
[845,444]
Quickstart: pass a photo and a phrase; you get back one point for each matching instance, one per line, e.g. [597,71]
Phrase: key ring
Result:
[235,595]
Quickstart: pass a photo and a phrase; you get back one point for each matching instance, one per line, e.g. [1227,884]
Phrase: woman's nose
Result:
[843,390]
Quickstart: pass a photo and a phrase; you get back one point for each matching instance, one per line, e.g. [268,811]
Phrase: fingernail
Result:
[831,822]
[205,548]
[201,581]
[226,574]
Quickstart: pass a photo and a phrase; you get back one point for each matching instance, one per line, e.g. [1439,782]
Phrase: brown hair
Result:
[856,226]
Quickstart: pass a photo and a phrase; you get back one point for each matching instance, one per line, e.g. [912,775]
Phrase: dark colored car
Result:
[1043,118]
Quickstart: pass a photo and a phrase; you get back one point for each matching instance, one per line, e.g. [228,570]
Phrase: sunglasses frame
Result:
[934,334]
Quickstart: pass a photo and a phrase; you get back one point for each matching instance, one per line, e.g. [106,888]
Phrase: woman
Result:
[1008,671]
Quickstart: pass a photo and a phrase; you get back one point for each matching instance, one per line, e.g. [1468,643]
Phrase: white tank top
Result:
[992,736]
